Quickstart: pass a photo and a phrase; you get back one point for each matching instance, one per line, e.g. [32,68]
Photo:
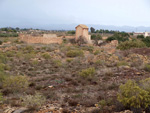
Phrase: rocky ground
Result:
[57,73]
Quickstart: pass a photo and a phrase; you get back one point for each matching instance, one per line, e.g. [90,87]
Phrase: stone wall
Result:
[40,39]
[49,35]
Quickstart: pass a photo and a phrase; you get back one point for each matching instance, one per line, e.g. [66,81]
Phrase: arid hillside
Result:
[72,78]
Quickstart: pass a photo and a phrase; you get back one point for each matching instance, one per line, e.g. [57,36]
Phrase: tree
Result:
[146,41]
[140,36]
[92,30]
[17,28]
[96,38]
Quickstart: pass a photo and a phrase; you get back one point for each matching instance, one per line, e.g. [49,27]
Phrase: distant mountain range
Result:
[97,27]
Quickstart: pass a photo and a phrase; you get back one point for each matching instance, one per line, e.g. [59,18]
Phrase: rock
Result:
[9,110]
[52,108]
[126,111]
[50,86]
[20,110]
[92,109]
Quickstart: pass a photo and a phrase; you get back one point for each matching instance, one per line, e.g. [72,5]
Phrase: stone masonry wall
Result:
[39,39]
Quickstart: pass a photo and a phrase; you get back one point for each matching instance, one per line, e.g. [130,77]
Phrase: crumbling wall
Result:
[39,39]
[49,35]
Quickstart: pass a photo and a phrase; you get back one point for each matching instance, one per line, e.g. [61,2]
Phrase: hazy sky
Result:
[38,13]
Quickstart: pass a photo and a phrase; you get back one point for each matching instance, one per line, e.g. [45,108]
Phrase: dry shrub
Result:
[33,101]
[16,83]
[122,63]
[87,73]
[108,72]
[46,56]
[74,53]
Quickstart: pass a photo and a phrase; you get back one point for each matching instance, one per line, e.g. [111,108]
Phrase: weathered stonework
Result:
[82,31]
[39,39]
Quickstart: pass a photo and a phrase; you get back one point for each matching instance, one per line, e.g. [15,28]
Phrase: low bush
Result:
[1,42]
[99,62]
[131,44]
[2,76]
[87,73]
[3,58]
[74,53]
[71,32]
[57,63]
[28,56]
[96,52]
[121,37]
[35,62]
[140,36]
[122,63]
[146,41]
[33,101]
[88,48]
[9,35]
[69,60]
[1,98]
[102,103]
[131,95]
[145,84]
[46,56]
[147,67]
[16,83]
[29,49]
[2,67]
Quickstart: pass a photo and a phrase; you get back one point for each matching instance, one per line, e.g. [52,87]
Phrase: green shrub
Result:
[131,95]
[69,60]
[87,73]
[10,53]
[15,83]
[145,84]
[99,62]
[46,56]
[2,76]
[71,32]
[9,35]
[57,63]
[35,62]
[2,67]
[1,97]
[122,63]
[131,44]
[96,37]
[33,101]
[140,36]
[105,102]
[74,53]
[3,58]
[88,48]
[146,41]
[96,52]
[121,37]
[29,49]
[102,103]
[1,42]
[28,56]
[147,67]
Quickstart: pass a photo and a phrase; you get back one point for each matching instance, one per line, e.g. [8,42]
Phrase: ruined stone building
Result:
[82,31]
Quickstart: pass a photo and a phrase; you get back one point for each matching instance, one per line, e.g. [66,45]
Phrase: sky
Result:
[40,13]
